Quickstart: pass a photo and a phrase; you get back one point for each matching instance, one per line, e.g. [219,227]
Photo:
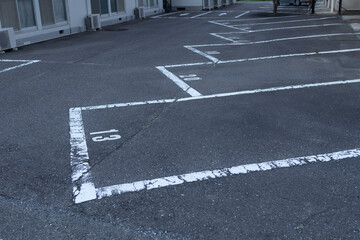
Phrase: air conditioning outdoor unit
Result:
[7,39]
[93,22]
[226,2]
[208,4]
[142,14]
[217,3]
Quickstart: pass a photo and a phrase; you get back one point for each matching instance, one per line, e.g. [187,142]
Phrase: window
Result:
[121,5]
[17,14]
[148,3]
[102,6]
[99,6]
[52,11]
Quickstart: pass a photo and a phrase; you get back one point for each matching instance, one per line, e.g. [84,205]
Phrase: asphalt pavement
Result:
[228,124]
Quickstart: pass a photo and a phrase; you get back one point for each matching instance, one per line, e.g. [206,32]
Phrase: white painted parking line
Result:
[23,64]
[214,59]
[164,15]
[202,14]
[242,14]
[179,82]
[184,14]
[290,55]
[267,41]
[83,188]
[222,14]
[252,19]
[273,29]
[212,52]
[282,22]
[224,172]
[222,37]
[265,58]
[220,95]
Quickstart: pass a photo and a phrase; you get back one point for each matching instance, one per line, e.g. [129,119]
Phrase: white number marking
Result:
[111,137]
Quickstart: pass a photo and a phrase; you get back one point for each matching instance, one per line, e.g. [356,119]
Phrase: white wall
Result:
[187,3]
[351,4]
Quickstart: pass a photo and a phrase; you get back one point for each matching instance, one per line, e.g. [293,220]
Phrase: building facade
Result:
[39,20]
[346,5]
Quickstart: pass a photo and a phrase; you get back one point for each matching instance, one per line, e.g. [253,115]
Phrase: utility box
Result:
[7,39]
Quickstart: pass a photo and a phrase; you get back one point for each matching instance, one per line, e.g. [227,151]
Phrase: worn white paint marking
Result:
[282,22]
[242,14]
[220,95]
[83,188]
[222,14]
[271,40]
[276,29]
[252,19]
[24,63]
[224,172]
[202,14]
[265,58]
[289,55]
[190,77]
[212,52]
[214,59]
[179,82]
[225,25]
[164,15]
[189,64]
[222,37]
[184,14]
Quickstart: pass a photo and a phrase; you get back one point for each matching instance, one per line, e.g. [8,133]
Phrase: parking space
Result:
[142,145]
[222,124]
[134,145]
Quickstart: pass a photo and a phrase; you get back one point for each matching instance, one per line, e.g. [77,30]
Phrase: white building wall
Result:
[351,4]
[76,11]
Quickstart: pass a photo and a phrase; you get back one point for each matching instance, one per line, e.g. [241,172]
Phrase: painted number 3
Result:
[101,137]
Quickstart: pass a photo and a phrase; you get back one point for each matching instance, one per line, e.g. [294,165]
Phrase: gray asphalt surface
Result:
[118,65]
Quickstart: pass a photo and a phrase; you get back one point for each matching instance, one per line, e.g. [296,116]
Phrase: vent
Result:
[7,39]
[93,22]
[217,3]
[208,4]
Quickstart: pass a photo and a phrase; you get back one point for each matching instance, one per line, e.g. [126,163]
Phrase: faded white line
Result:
[83,188]
[214,59]
[222,14]
[189,64]
[224,25]
[242,14]
[281,22]
[179,82]
[224,172]
[184,14]
[164,15]
[265,58]
[222,37]
[272,40]
[289,55]
[202,14]
[25,63]
[281,28]
[220,95]
[254,19]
